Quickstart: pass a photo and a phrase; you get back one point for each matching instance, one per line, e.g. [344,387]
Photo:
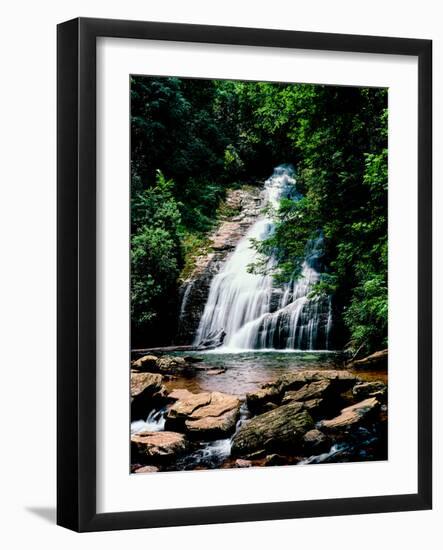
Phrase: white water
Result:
[155,422]
[250,309]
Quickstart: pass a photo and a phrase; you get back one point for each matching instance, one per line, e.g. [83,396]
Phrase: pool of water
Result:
[240,373]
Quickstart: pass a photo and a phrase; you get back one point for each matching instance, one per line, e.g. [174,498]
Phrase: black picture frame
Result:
[76,296]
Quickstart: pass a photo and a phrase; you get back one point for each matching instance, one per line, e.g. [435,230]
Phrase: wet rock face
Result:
[194,292]
[280,430]
[206,415]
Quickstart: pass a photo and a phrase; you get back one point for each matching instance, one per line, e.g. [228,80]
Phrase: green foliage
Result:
[156,255]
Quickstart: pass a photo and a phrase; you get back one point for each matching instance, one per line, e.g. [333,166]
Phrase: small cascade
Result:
[155,422]
[251,311]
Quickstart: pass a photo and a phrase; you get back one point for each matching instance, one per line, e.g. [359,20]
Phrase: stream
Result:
[241,373]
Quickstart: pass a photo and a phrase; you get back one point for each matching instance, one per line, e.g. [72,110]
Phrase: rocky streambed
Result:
[210,410]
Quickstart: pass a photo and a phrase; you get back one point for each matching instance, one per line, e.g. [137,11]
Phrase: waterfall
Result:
[254,313]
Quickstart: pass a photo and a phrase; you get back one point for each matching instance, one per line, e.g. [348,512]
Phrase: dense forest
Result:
[192,140]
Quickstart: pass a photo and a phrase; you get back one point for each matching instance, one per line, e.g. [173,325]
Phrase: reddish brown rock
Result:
[180,394]
[352,416]
[147,391]
[205,415]
[158,446]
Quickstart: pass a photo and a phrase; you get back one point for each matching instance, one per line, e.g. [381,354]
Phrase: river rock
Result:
[212,427]
[158,447]
[179,393]
[351,416]
[379,359]
[316,442]
[147,390]
[376,389]
[279,430]
[145,363]
[341,380]
[205,415]
[258,400]
[313,390]
[169,364]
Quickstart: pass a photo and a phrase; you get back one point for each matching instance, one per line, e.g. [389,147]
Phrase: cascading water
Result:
[251,311]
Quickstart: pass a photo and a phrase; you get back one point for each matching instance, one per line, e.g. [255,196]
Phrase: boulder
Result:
[257,400]
[145,383]
[341,380]
[316,442]
[169,364]
[376,389]
[205,415]
[158,447]
[352,416]
[147,391]
[180,394]
[313,390]
[145,363]
[280,430]
[212,427]
[379,359]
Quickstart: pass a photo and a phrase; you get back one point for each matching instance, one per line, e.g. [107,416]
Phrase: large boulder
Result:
[352,416]
[158,447]
[206,415]
[147,391]
[279,430]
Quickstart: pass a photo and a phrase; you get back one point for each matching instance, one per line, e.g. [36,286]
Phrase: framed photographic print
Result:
[244,274]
